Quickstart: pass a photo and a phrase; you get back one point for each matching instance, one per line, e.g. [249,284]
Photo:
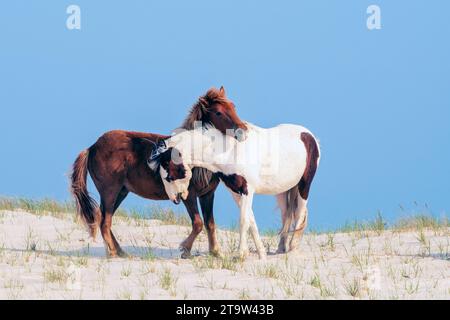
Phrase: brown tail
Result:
[312,162]
[291,206]
[86,206]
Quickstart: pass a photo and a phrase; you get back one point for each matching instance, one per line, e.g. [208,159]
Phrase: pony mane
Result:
[201,176]
[200,108]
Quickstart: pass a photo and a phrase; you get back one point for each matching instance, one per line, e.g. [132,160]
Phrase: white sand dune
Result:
[47,257]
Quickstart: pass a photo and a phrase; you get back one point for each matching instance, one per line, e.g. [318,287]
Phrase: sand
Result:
[51,257]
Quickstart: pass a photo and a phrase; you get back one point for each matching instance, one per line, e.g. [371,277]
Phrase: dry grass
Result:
[378,225]
[56,275]
[168,281]
[226,262]
[40,207]
[65,209]
[169,217]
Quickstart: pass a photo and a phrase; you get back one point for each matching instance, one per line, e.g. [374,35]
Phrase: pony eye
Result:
[218,113]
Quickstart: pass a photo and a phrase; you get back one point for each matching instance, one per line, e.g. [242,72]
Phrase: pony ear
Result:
[222,91]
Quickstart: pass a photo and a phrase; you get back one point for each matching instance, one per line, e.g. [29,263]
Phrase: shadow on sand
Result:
[436,256]
[99,252]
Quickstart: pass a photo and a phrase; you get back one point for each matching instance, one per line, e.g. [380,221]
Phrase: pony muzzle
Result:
[177,199]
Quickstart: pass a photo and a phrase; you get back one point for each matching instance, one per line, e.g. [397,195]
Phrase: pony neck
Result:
[209,149]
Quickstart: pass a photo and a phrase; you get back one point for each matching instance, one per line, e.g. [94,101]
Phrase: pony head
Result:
[215,109]
[174,174]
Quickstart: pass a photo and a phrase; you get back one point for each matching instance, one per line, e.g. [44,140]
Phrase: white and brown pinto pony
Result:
[280,161]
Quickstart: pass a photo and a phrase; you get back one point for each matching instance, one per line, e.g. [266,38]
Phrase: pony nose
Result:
[178,199]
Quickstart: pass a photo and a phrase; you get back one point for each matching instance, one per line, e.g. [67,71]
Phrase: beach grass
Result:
[60,209]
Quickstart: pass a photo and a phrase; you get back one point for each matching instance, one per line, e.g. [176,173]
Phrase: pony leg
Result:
[109,204]
[206,203]
[244,202]
[113,248]
[197,225]
[122,195]
[285,222]
[300,221]
[301,212]
[255,234]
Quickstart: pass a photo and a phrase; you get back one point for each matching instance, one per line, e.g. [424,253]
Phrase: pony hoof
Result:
[262,256]
[185,253]
[243,254]
[216,253]
[118,255]
[282,247]
[123,254]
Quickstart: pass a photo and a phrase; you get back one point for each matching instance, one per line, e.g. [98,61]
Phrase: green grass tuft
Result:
[168,216]
[64,209]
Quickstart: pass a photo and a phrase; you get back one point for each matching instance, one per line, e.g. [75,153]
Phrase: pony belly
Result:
[273,189]
[286,175]
[277,184]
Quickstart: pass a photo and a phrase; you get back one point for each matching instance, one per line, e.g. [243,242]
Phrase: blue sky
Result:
[378,100]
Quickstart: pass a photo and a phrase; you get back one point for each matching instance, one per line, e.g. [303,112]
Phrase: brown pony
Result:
[117,164]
